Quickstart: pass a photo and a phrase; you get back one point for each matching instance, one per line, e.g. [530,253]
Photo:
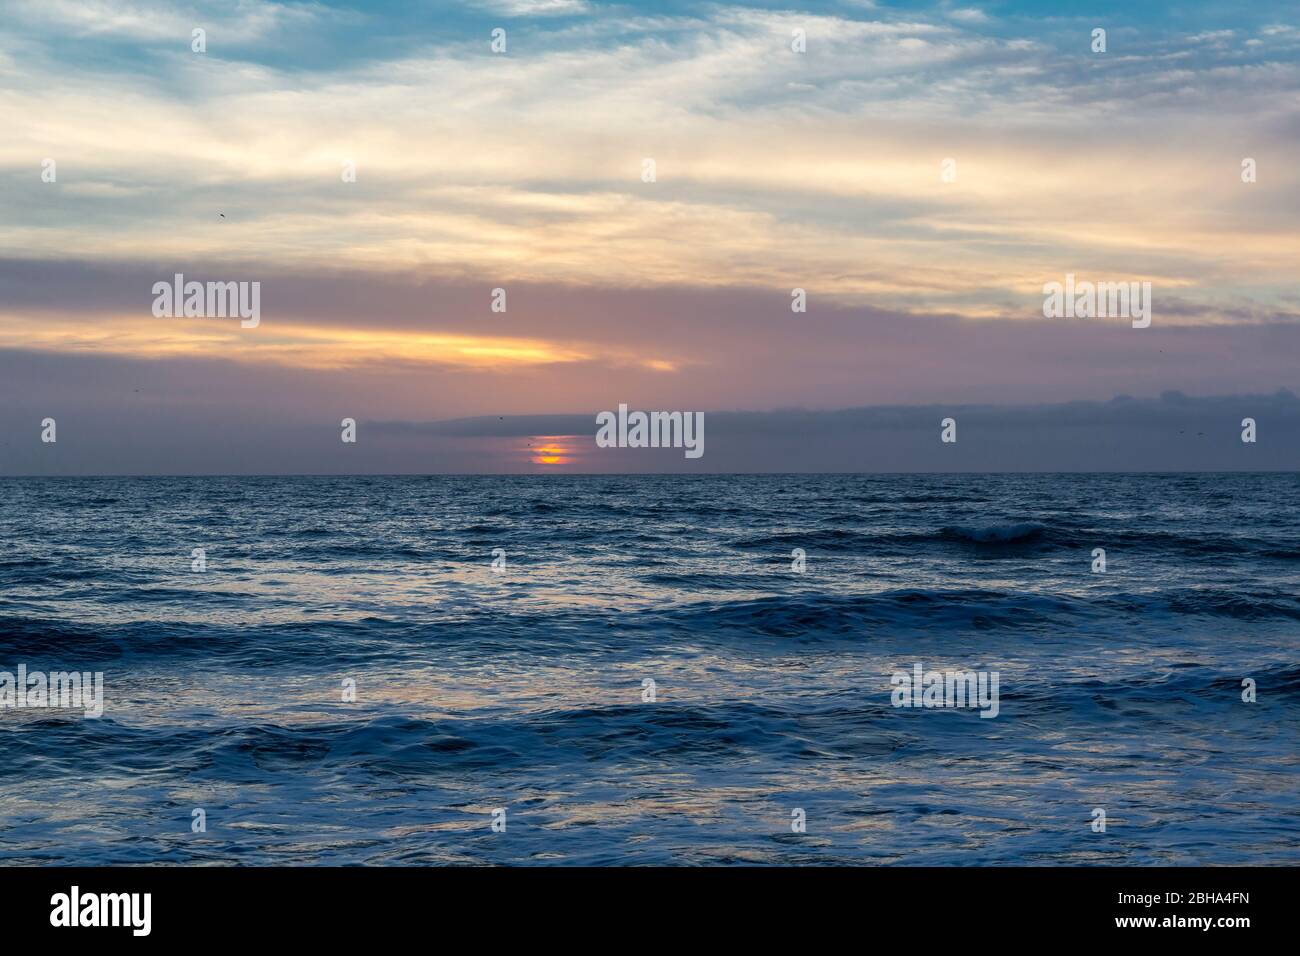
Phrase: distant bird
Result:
[222,215]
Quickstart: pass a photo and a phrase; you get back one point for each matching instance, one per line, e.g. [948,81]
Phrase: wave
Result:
[1014,533]
[836,539]
[863,616]
[468,628]
[846,540]
[1064,535]
[387,744]
[1208,602]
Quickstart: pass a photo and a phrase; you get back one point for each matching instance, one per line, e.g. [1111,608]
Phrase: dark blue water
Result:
[523,689]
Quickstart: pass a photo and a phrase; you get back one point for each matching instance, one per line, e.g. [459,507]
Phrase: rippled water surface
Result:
[523,689]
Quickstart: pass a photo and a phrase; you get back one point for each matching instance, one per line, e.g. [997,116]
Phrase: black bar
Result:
[215,905]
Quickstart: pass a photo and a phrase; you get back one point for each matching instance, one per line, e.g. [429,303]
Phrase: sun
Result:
[551,449]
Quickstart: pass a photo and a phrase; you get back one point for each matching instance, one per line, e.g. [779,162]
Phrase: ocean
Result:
[653,669]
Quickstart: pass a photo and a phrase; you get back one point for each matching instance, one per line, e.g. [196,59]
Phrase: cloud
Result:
[156,21]
[776,170]
[419,346]
[536,8]
[1172,432]
[821,168]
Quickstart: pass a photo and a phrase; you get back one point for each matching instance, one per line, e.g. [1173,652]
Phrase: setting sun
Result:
[551,449]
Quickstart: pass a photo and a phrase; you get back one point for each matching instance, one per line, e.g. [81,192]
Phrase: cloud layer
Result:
[774,169]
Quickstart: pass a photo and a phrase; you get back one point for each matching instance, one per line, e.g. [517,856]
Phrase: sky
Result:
[919,170]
